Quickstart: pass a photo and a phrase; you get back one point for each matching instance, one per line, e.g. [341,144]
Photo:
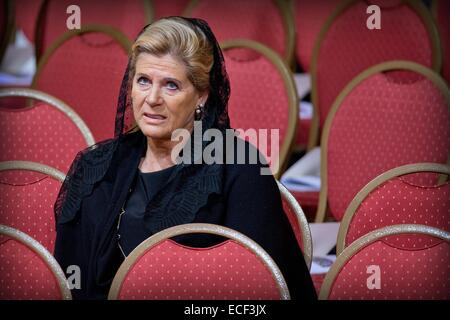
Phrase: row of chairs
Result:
[27,208]
[406,27]
[389,200]
[388,113]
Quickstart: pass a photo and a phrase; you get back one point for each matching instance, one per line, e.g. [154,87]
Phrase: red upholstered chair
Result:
[28,206]
[391,198]
[162,269]
[345,47]
[26,16]
[298,222]
[441,8]
[6,25]
[164,8]
[385,264]
[48,132]
[378,123]
[267,21]
[27,270]
[84,68]
[129,17]
[263,96]
[309,19]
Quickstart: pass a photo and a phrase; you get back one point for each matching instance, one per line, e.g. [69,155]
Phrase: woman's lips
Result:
[154,118]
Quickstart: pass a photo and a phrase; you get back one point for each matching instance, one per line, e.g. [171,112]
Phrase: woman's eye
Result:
[172,85]
[143,81]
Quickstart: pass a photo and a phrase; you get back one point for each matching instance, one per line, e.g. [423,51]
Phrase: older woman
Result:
[121,191]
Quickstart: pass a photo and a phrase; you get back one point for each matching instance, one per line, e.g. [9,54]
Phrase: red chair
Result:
[162,269]
[6,25]
[164,8]
[26,16]
[298,222]
[48,132]
[378,123]
[29,206]
[84,68]
[247,19]
[391,199]
[263,96]
[27,270]
[441,9]
[385,265]
[309,19]
[345,47]
[129,17]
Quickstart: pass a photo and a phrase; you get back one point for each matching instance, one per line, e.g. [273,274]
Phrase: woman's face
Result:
[163,97]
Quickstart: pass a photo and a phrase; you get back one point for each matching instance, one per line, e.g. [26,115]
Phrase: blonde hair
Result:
[182,40]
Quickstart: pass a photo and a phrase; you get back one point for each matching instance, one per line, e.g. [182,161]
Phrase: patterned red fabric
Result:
[29,208]
[318,281]
[86,73]
[443,25]
[227,271]
[244,19]
[404,274]
[381,125]
[292,216]
[309,19]
[26,14]
[41,134]
[403,36]
[302,135]
[400,202]
[164,8]
[24,275]
[259,99]
[126,16]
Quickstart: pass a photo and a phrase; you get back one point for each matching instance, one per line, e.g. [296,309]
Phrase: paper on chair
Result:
[324,237]
[304,175]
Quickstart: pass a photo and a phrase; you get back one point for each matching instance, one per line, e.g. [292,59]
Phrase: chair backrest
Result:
[441,8]
[49,132]
[391,199]
[164,8]
[84,68]
[376,267]
[246,20]
[160,268]
[263,96]
[28,270]
[377,124]
[309,19]
[298,222]
[26,16]
[129,17]
[29,206]
[6,25]
[346,46]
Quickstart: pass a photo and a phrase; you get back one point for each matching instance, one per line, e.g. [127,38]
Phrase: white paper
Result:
[322,264]
[303,83]
[324,237]
[304,175]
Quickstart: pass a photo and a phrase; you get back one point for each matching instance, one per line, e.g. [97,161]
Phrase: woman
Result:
[121,191]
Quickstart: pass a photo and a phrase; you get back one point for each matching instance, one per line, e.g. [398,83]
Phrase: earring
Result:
[199,112]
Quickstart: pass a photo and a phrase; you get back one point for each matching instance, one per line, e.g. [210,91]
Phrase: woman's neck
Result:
[158,155]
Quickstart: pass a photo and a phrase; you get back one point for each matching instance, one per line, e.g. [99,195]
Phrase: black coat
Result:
[233,195]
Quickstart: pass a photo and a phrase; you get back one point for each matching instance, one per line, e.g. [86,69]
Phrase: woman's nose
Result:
[154,97]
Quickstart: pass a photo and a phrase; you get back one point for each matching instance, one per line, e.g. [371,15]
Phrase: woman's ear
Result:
[203,98]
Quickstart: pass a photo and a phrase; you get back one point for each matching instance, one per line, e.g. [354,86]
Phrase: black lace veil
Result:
[91,164]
